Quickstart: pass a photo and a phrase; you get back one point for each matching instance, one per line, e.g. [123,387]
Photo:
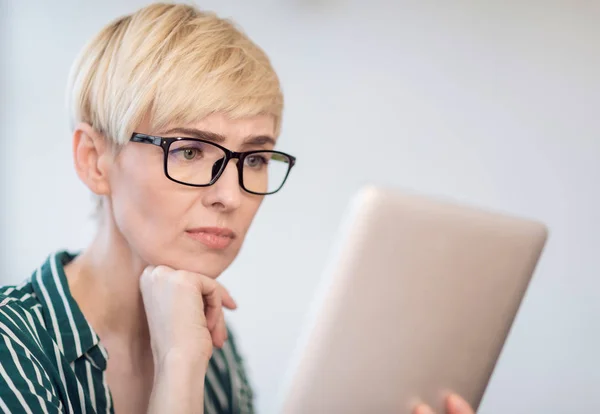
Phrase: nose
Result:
[226,193]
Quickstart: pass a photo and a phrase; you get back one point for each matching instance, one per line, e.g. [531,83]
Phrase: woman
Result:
[175,115]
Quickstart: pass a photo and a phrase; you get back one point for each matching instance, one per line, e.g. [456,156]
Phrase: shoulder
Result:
[22,293]
[19,321]
[26,372]
[20,310]
[17,299]
[22,327]
[21,333]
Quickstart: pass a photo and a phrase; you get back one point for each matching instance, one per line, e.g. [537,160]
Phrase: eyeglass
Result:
[200,163]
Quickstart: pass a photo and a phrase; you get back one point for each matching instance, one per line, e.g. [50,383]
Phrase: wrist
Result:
[178,383]
[180,360]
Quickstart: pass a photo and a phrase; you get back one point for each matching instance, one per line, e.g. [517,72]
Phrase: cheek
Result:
[145,208]
[150,211]
[245,216]
[248,211]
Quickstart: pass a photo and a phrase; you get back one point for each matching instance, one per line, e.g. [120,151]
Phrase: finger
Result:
[219,334]
[226,298]
[423,409]
[145,274]
[212,301]
[457,405]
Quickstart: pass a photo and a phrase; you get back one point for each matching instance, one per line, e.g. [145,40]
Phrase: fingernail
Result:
[424,409]
[457,405]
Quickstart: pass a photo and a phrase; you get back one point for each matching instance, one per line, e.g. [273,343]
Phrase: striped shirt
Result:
[52,361]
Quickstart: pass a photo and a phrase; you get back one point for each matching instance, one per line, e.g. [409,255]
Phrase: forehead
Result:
[234,130]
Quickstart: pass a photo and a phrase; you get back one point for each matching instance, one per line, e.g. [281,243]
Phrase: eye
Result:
[256,161]
[189,153]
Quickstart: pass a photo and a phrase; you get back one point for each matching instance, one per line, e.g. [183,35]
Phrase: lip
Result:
[217,238]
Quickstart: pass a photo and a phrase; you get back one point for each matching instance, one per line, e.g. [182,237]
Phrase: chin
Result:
[210,264]
[194,258]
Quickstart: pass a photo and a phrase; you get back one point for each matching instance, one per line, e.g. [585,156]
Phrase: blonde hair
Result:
[172,63]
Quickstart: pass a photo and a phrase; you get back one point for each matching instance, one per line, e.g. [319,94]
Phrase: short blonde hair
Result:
[172,63]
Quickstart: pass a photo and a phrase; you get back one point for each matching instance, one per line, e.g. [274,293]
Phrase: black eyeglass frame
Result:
[165,144]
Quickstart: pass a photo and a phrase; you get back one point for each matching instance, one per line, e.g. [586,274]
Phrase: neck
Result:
[104,280]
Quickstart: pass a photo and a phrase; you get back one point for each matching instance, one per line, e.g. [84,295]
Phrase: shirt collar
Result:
[64,320]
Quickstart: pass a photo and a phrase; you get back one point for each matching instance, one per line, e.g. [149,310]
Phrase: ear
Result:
[92,155]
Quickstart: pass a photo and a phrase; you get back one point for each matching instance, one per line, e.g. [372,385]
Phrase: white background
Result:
[495,103]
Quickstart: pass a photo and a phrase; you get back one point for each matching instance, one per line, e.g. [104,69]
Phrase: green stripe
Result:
[3,405]
[15,370]
[50,355]
[11,313]
[81,374]
[210,401]
[25,365]
[219,386]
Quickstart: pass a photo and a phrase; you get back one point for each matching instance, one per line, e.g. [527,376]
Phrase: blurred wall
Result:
[494,103]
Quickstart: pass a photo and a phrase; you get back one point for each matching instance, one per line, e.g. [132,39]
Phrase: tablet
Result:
[416,302]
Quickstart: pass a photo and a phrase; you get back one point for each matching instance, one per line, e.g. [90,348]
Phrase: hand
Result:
[184,312]
[454,405]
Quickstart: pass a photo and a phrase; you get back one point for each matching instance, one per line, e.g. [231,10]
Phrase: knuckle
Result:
[187,280]
[182,277]
[160,270]
[210,283]
[158,273]
[147,277]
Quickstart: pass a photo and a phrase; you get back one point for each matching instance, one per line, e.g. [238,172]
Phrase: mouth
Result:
[217,238]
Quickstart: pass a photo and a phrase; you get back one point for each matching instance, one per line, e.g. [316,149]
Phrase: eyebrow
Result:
[252,140]
[196,133]
[259,140]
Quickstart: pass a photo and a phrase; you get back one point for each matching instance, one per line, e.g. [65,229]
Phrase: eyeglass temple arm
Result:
[146,139]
